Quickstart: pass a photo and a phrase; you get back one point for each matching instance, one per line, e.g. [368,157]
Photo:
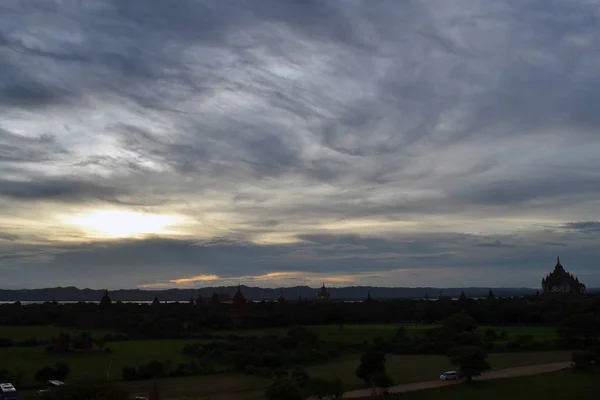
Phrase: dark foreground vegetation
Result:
[290,347]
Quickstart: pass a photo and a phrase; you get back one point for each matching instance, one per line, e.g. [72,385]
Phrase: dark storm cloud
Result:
[587,226]
[293,115]
[159,260]
[16,148]
[57,190]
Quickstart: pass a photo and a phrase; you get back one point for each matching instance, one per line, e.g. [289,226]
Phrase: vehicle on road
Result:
[8,392]
[449,376]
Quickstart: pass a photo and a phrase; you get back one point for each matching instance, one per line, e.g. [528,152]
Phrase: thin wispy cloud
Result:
[332,138]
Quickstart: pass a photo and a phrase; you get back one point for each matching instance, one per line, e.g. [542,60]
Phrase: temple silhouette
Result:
[561,281]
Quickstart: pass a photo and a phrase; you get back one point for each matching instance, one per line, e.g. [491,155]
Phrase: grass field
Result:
[563,385]
[95,365]
[404,369]
[417,368]
[19,333]
[355,334]
[213,387]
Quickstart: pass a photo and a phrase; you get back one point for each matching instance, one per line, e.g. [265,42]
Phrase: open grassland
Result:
[351,334]
[44,332]
[93,365]
[418,368]
[213,387]
[222,386]
[208,387]
[563,385]
[356,334]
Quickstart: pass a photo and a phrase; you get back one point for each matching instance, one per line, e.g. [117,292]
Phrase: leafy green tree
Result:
[471,361]
[370,364]
[382,380]
[283,389]
[582,359]
[60,371]
[401,334]
[460,323]
[299,376]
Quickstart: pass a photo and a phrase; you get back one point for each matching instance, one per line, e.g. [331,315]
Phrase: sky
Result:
[190,143]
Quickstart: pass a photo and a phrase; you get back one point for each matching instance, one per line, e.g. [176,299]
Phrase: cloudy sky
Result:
[273,143]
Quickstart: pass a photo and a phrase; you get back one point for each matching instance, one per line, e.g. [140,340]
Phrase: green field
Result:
[404,369]
[213,387]
[95,365]
[563,385]
[418,368]
[356,334]
[45,332]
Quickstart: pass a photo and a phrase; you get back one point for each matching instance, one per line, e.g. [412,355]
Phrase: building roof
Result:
[559,276]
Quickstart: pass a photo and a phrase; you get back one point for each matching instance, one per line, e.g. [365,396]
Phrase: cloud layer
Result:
[385,143]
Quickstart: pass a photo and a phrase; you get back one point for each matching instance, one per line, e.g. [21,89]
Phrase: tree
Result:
[582,359]
[283,389]
[382,380]
[60,371]
[401,335]
[470,359]
[370,364]
[318,387]
[460,323]
[299,376]
[322,388]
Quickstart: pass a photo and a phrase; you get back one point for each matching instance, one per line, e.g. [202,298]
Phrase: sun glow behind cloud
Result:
[124,224]
[284,278]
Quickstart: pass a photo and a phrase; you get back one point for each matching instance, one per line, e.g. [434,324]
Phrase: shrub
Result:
[60,371]
[129,374]
[283,389]
[582,359]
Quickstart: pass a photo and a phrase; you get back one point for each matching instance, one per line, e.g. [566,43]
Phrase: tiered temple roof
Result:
[561,281]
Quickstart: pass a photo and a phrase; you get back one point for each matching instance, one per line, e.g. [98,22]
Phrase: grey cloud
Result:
[156,260]
[289,112]
[16,148]
[587,226]
[58,190]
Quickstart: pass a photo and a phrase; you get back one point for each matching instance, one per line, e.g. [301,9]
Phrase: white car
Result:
[449,376]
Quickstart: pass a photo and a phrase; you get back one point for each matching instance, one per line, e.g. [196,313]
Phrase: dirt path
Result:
[499,374]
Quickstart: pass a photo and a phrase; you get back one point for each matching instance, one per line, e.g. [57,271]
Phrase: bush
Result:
[582,359]
[283,389]
[322,388]
[460,323]
[299,376]
[60,371]
[129,374]
[370,364]
[491,334]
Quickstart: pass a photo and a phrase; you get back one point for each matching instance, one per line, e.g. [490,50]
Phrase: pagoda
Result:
[322,294]
[561,281]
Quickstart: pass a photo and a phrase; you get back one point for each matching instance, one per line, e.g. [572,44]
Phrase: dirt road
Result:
[499,374]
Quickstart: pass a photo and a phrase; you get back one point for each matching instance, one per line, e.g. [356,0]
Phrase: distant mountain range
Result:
[254,293]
